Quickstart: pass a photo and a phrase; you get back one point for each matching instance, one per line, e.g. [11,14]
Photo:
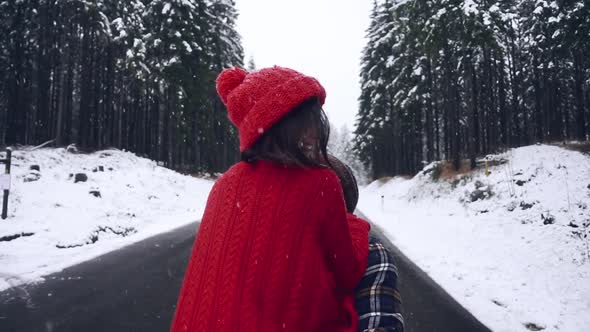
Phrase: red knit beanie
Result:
[256,101]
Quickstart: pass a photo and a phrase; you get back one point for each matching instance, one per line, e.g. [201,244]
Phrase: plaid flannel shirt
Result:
[378,301]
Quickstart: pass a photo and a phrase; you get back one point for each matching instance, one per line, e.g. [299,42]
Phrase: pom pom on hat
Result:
[228,80]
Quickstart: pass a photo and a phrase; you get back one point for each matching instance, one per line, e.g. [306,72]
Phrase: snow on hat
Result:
[256,101]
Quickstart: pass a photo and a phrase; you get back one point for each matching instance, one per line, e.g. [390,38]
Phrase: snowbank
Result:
[512,247]
[54,222]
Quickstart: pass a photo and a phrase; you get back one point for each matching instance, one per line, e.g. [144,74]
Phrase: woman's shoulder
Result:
[229,176]
[316,174]
[326,176]
[323,175]
[321,179]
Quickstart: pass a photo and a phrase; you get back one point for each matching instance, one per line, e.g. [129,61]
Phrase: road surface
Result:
[135,289]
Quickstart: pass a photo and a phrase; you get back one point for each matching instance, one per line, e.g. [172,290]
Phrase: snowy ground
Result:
[501,256]
[517,256]
[54,223]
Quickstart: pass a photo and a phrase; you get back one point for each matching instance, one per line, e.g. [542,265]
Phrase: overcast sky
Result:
[321,38]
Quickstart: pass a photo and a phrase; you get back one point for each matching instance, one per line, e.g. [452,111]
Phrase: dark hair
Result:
[284,142]
[350,188]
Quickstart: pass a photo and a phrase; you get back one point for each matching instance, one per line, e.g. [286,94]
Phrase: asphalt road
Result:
[135,289]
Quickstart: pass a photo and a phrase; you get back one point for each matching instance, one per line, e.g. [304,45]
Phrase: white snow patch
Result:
[497,256]
[187,47]
[440,12]
[166,9]
[138,199]
[470,7]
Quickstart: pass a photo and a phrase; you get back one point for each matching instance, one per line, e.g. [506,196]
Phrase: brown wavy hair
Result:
[299,139]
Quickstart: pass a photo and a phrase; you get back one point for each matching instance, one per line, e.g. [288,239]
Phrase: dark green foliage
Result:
[452,80]
[136,75]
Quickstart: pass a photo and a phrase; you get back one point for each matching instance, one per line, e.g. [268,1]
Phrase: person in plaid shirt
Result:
[378,302]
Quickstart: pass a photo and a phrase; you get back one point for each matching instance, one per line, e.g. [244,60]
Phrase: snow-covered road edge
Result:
[64,223]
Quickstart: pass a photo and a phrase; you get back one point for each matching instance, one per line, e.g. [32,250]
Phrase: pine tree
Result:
[137,75]
[460,79]
[340,145]
[251,64]
[375,121]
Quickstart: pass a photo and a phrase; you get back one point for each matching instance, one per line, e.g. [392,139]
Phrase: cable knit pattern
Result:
[276,251]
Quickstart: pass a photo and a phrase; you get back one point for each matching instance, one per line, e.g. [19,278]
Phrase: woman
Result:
[276,250]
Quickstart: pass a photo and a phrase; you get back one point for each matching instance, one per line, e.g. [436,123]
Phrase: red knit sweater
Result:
[276,251]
